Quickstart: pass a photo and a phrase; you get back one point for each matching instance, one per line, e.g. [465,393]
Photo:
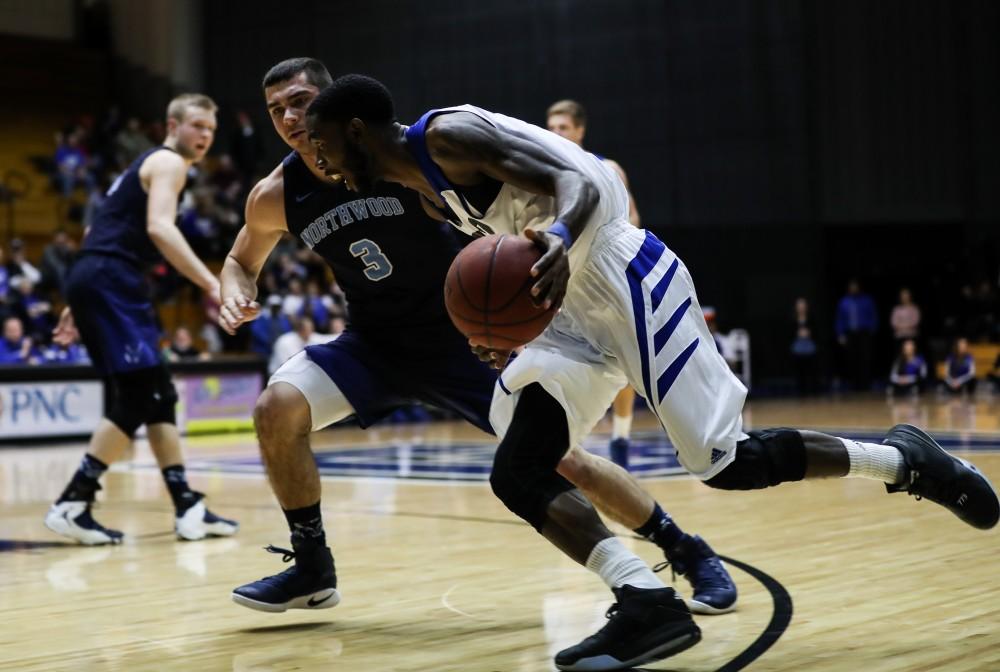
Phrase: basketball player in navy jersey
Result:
[400,347]
[109,301]
[568,119]
[629,314]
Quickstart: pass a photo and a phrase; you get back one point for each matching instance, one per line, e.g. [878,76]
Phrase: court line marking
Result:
[781,617]
[447,605]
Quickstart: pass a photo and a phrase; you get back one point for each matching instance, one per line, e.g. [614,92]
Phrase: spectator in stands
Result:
[71,164]
[228,184]
[35,311]
[295,299]
[266,329]
[182,348]
[71,353]
[15,347]
[994,375]
[290,344]
[905,319]
[909,372]
[245,147]
[286,269]
[4,279]
[206,225]
[320,307]
[855,324]
[56,258]
[804,353]
[960,369]
[20,266]
[130,142]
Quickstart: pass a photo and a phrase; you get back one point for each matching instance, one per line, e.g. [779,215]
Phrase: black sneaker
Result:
[311,583]
[942,478]
[714,590]
[643,626]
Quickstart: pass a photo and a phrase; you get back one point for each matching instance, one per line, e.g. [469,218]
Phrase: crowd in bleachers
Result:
[940,353]
[302,305]
[89,153]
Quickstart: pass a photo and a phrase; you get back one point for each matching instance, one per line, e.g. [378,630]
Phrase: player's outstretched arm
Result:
[265,224]
[465,146]
[165,173]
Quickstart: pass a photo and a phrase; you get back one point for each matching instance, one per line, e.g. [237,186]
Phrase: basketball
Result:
[488,292]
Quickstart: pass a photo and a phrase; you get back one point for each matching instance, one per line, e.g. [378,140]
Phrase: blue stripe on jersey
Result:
[641,266]
[416,142]
[662,335]
[661,287]
[668,377]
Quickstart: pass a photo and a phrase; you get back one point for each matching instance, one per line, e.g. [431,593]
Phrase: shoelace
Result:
[715,567]
[941,492]
[286,555]
[660,566]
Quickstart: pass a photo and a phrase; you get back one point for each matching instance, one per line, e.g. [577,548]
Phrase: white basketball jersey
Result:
[515,209]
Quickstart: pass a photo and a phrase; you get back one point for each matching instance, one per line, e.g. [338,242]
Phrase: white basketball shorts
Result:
[631,315]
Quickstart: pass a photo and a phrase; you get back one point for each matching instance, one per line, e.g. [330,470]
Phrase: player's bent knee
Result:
[281,410]
[524,474]
[767,458]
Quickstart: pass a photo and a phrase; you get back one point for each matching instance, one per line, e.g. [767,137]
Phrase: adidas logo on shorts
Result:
[717,455]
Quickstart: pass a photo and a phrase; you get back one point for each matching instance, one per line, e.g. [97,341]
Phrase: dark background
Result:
[780,147]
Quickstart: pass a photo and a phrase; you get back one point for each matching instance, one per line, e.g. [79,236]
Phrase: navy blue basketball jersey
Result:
[388,256]
[119,229]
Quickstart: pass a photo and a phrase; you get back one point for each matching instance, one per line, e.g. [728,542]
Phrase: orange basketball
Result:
[488,292]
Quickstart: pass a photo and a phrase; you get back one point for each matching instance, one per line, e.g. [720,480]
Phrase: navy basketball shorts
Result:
[110,302]
[375,376]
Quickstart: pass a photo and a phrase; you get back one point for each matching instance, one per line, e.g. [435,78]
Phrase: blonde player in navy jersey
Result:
[390,258]
[629,314]
[568,119]
[109,299]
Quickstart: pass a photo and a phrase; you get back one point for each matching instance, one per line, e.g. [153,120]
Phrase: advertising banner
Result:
[34,409]
[220,402]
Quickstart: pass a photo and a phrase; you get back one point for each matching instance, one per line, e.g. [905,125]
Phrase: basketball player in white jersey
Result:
[629,314]
[568,119]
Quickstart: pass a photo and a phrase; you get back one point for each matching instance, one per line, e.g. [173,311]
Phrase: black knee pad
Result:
[524,469]
[768,457]
[144,396]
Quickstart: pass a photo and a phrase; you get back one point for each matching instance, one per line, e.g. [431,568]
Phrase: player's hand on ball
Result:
[497,359]
[552,270]
[235,311]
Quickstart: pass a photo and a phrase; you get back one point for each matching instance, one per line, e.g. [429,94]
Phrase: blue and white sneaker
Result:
[197,522]
[73,519]
[311,583]
[714,590]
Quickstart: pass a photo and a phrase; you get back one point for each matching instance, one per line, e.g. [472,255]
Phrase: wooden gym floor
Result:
[436,575]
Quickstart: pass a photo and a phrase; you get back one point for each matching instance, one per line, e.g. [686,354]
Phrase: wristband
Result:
[561,230]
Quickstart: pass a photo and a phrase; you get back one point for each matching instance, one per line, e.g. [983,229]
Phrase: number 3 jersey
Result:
[387,255]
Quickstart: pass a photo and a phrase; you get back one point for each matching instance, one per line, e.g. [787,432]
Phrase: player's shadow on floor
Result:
[13,545]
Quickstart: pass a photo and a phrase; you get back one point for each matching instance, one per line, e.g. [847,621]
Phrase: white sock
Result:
[874,460]
[617,566]
[621,426]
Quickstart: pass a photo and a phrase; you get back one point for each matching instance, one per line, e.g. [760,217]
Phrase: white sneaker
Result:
[198,522]
[73,520]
